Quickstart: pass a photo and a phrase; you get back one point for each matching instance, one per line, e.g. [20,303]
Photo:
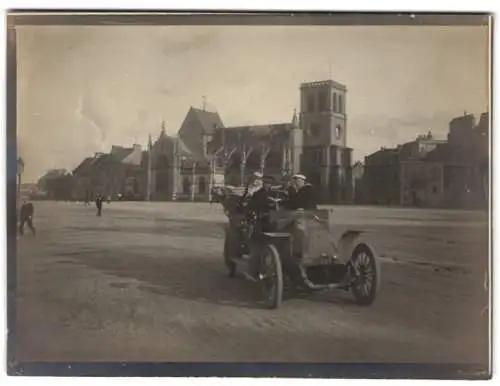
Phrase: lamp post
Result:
[20,171]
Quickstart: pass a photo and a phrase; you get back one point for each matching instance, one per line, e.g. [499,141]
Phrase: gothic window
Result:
[310,103]
[202,185]
[322,102]
[334,100]
[186,186]
[338,131]
[340,106]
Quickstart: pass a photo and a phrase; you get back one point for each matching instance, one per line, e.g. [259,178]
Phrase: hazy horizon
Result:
[82,89]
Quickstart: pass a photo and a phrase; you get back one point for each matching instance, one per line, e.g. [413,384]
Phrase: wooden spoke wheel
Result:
[271,277]
[365,271]
[231,243]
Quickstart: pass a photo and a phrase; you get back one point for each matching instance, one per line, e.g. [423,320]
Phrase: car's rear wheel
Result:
[230,251]
[271,277]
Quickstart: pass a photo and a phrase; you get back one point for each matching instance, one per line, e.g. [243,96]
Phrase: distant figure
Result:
[26,216]
[98,203]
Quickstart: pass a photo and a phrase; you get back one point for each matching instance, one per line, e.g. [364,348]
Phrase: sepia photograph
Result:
[274,194]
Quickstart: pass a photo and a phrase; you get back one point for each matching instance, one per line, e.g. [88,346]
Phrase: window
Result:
[202,185]
[340,106]
[338,131]
[186,186]
[310,103]
[322,101]
[334,100]
[314,129]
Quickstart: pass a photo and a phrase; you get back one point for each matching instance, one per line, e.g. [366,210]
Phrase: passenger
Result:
[259,202]
[260,192]
[301,194]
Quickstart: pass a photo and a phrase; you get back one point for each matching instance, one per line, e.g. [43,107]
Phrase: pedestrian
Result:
[98,203]
[26,216]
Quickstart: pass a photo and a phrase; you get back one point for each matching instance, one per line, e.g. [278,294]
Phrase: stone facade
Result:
[326,161]
[428,172]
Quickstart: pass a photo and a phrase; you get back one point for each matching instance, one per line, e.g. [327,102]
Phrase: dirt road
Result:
[146,282]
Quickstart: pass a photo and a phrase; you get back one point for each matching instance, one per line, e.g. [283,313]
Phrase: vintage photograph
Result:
[250,189]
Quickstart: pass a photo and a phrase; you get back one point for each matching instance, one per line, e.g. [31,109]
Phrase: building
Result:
[195,172]
[360,195]
[468,162]
[326,159]
[423,179]
[119,172]
[272,149]
[160,164]
[205,153]
[313,143]
[381,177]
[430,172]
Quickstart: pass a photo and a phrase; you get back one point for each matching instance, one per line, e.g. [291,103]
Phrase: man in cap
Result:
[300,194]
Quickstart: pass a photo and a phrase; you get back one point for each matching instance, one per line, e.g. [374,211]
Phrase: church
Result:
[205,153]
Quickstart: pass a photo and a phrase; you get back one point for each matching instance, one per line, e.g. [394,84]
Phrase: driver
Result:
[260,192]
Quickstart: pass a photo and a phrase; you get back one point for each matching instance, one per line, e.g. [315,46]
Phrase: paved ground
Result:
[146,282]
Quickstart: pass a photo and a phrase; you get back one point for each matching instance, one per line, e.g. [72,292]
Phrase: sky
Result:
[82,89]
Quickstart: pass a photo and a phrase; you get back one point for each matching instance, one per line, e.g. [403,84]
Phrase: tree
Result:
[57,183]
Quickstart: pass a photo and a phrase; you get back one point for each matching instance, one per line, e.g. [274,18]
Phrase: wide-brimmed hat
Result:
[299,177]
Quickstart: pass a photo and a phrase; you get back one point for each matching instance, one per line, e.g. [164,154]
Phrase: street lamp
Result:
[20,171]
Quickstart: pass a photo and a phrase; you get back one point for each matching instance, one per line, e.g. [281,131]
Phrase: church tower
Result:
[323,113]
[326,159]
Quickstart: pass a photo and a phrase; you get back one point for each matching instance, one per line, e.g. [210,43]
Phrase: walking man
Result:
[98,203]
[26,216]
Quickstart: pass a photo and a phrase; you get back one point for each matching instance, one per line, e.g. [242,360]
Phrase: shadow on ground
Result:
[193,279]
[199,280]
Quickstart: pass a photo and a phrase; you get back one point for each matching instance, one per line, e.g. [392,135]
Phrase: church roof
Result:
[119,152]
[192,154]
[209,120]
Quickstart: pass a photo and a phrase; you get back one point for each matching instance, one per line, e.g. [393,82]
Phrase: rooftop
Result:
[324,83]
[209,120]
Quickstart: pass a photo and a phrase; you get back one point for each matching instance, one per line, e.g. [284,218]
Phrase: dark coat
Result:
[259,201]
[98,202]
[27,210]
[304,198]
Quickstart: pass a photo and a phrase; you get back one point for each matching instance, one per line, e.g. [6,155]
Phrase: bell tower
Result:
[326,159]
[323,113]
